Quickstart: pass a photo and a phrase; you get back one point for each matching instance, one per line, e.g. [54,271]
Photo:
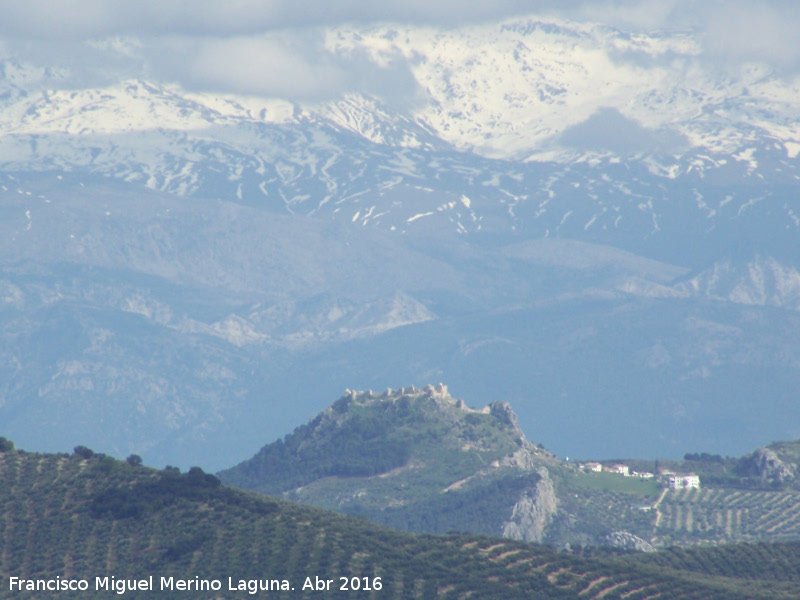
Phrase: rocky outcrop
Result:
[525,458]
[533,512]
[627,541]
[767,466]
[504,412]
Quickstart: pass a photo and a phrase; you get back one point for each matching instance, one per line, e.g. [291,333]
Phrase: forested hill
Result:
[73,517]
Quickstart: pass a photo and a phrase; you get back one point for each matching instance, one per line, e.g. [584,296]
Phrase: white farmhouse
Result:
[683,482]
[621,470]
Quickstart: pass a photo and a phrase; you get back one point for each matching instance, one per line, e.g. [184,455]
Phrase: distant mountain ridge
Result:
[171,260]
[763,281]
[174,323]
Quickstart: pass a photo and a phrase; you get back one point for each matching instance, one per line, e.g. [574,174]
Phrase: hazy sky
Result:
[275,47]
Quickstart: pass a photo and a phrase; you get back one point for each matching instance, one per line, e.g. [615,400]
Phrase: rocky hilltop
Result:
[414,458]
[421,460]
[773,465]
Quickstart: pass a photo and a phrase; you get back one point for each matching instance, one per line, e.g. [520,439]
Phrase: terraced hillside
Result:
[81,516]
[591,505]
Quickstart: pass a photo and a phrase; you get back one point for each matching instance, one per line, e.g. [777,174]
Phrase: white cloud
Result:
[276,64]
[275,47]
[639,14]
[97,18]
[756,31]
[45,19]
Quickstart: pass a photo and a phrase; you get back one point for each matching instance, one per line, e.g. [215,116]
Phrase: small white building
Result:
[642,474]
[621,470]
[683,482]
[691,481]
[593,467]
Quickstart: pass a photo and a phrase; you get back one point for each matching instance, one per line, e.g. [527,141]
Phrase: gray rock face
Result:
[524,458]
[767,465]
[533,512]
[628,541]
[504,412]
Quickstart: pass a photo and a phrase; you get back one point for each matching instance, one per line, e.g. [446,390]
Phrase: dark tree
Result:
[134,460]
[83,452]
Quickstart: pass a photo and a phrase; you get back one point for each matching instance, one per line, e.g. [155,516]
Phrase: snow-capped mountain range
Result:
[554,128]
[595,215]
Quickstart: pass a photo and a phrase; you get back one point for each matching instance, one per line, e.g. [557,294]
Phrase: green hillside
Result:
[81,516]
[422,461]
[414,459]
